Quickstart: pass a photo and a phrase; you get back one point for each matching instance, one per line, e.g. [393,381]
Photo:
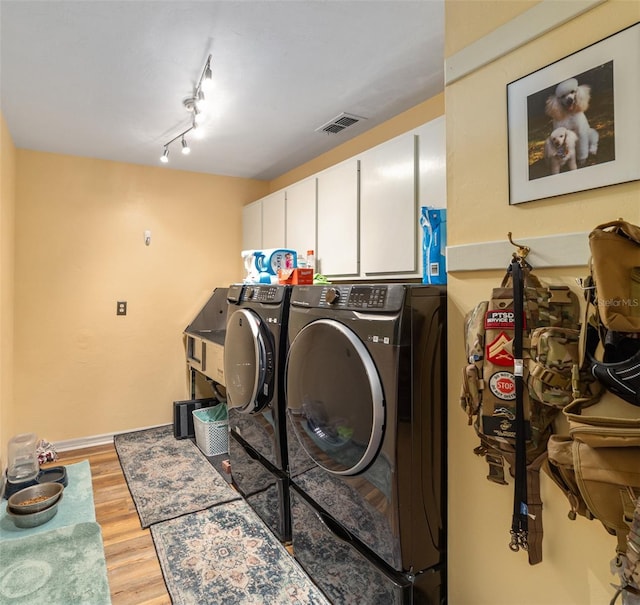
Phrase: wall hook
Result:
[522,252]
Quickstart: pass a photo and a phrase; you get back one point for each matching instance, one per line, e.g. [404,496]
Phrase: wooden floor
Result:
[133,569]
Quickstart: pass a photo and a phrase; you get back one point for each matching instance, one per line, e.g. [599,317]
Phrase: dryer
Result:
[366,420]
[254,356]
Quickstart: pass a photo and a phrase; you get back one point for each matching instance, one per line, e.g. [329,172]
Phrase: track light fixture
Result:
[195,106]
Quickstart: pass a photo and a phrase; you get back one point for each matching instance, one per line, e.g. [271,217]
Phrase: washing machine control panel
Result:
[263,294]
[354,297]
[367,297]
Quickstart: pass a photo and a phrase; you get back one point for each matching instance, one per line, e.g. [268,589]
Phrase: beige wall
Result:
[80,370]
[7,210]
[575,569]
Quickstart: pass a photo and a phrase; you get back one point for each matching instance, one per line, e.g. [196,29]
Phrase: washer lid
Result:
[334,397]
[249,358]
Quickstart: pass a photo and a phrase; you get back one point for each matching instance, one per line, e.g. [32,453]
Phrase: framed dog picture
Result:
[575,124]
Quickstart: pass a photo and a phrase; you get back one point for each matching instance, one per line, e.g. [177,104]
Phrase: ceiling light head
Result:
[185,147]
[207,76]
[165,156]
[198,117]
[199,97]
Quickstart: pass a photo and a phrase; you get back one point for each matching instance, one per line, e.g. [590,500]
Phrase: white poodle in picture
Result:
[567,110]
[560,150]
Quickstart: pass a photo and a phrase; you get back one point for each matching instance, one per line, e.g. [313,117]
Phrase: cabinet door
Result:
[432,163]
[273,220]
[301,216]
[432,169]
[388,209]
[338,242]
[252,226]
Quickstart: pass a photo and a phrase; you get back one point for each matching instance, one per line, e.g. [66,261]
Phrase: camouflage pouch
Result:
[472,384]
[554,378]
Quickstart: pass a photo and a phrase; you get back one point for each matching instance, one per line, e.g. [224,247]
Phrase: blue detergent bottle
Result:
[434,242]
[270,261]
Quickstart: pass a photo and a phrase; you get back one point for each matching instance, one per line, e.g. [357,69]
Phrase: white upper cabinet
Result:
[273,220]
[301,216]
[252,226]
[337,254]
[388,208]
[263,223]
[361,216]
[432,164]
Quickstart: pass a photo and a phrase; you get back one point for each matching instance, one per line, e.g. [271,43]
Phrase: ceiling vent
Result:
[339,123]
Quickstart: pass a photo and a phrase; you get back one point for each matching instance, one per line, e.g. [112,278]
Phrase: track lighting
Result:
[198,116]
[200,100]
[207,79]
[194,105]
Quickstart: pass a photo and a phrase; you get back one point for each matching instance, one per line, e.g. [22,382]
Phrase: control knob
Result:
[333,294]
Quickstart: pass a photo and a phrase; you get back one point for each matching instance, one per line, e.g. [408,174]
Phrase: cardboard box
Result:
[302,276]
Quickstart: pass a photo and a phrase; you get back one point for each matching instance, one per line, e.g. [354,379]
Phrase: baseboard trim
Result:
[95,440]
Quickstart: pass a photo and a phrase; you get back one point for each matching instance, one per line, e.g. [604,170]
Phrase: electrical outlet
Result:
[121,308]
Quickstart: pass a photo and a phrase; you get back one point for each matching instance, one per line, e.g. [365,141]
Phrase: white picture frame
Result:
[611,70]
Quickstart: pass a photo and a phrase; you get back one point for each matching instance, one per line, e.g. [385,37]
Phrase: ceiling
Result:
[107,79]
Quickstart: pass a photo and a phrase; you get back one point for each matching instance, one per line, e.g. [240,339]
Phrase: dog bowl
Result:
[54,474]
[35,499]
[27,520]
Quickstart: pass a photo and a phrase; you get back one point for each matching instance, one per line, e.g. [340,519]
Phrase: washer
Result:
[366,421]
[254,356]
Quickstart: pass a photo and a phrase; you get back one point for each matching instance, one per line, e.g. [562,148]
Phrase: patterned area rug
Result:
[168,477]
[63,566]
[227,555]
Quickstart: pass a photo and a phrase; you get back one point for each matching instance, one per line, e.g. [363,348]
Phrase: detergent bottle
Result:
[434,242]
[271,261]
[249,258]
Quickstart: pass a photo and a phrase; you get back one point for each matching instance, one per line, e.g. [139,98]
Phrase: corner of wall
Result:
[7,236]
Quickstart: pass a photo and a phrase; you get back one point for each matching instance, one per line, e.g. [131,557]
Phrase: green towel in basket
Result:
[213,414]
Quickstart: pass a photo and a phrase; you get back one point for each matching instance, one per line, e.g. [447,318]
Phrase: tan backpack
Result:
[597,465]
[551,354]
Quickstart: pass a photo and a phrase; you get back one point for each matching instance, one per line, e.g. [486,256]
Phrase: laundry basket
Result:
[211,426]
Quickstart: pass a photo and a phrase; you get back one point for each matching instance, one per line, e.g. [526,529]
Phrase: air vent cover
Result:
[339,123]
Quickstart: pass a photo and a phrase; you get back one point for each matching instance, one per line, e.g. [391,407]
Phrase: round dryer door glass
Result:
[334,397]
[248,362]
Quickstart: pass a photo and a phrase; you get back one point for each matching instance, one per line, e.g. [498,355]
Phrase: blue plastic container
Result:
[434,243]
[270,261]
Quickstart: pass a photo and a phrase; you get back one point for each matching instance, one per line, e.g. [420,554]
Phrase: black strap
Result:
[519,523]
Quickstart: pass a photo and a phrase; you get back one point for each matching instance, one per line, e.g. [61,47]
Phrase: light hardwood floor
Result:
[135,577]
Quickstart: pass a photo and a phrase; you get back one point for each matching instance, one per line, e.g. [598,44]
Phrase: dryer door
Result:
[334,397]
[249,358]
